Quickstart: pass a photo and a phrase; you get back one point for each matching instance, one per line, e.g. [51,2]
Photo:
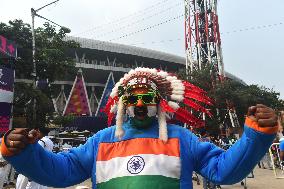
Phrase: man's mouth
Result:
[140,111]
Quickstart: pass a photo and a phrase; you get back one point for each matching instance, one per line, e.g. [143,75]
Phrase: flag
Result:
[60,102]
[6,97]
[107,90]
[78,102]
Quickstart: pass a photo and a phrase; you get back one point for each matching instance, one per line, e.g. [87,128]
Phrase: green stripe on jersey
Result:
[141,182]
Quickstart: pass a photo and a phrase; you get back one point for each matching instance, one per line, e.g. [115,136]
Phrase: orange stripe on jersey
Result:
[254,125]
[136,146]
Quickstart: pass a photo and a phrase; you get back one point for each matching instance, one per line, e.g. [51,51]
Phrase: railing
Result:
[277,165]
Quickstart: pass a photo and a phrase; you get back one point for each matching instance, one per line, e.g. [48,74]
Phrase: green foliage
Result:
[233,94]
[63,120]
[51,64]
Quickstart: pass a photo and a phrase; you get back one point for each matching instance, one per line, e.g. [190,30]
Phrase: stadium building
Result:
[97,60]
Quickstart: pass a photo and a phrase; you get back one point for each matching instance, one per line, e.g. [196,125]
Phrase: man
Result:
[142,150]
[22,181]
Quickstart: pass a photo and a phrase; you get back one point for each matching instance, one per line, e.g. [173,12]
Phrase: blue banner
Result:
[106,93]
[6,78]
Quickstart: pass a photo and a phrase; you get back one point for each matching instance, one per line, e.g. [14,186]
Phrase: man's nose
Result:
[140,103]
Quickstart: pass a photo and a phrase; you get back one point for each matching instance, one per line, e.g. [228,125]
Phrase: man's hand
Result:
[263,115]
[19,138]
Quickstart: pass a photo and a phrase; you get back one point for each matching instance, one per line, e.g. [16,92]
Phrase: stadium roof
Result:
[136,51]
[126,49]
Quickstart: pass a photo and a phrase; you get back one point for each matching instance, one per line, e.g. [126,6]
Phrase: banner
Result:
[78,102]
[6,78]
[6,97]
[107,90]
[8,47]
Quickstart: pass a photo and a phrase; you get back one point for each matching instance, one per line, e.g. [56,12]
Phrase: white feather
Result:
[114,92]
[163,131]
[177,81]
[131,72]
[121,80]
[171,78]
[139,69]
[130,111]
[154,71]
[178,87]
[119,132]
[162,73]
[152,111]
[178,98]
[173,105]
[178,92]
[113,108]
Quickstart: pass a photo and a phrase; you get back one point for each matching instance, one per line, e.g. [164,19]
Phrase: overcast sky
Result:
[254,55]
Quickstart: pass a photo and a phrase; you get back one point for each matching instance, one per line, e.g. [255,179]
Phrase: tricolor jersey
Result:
[139,163]
[141,160]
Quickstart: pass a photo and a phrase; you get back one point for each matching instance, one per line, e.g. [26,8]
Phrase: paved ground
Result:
[264,179]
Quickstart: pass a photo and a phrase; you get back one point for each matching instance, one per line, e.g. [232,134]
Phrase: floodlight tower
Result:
[203,42]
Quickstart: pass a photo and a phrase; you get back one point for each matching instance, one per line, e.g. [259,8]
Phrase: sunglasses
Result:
[148,98]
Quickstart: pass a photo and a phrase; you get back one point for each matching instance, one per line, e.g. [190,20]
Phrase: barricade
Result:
[277,166]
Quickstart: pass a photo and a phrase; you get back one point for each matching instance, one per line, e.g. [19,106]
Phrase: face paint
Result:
[152,111]
[130,111]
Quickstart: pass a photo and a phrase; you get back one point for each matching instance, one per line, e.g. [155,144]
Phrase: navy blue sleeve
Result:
[56,170]
[231,166]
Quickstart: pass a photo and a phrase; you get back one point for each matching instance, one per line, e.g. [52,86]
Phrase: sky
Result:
[254,55]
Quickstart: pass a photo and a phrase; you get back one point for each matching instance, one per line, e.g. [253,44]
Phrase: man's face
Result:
[140,102]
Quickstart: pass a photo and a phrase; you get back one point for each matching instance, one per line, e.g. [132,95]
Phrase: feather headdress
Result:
[172,92]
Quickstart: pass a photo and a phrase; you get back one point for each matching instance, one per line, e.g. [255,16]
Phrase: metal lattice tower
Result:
[203,42]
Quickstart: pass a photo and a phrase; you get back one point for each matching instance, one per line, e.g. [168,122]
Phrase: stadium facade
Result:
[98,59]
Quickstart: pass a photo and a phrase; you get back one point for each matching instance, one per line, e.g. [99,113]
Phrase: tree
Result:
[231,93]
[51,61]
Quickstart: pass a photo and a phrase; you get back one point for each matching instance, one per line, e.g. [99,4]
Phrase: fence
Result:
[277,164]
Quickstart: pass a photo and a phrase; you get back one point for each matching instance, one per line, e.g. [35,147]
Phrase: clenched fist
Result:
[19,138]
[263,115]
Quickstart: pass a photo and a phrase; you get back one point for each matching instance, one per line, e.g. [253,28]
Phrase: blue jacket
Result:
[219,166]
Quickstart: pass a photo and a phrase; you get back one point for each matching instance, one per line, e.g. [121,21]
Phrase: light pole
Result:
[34,74]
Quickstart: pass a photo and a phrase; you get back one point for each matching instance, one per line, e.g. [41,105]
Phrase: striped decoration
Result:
[138,162]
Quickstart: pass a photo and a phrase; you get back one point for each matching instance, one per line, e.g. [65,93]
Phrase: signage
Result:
[8,47]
